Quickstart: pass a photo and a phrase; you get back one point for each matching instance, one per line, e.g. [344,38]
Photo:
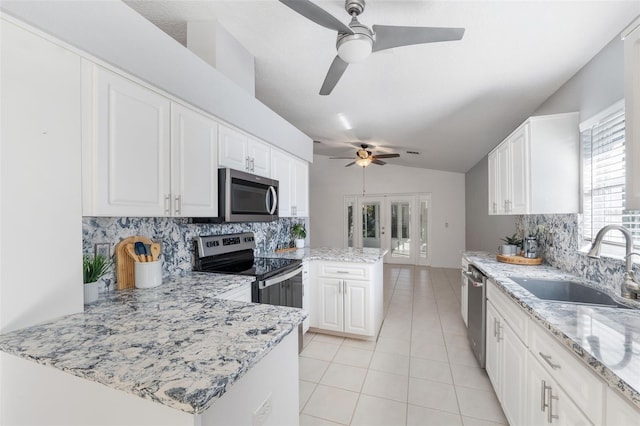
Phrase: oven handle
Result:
[279,278]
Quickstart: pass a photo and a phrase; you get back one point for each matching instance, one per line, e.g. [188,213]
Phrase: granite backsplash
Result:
[559,243]
[176,236]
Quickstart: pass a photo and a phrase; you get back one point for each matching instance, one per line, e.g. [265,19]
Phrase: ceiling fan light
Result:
[355,48]
[363,162]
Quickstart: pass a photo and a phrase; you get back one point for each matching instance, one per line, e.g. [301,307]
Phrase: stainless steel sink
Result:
[566,291]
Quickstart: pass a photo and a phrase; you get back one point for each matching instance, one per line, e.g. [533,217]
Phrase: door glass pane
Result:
[424,238]
[400,229]
[371,224]
[350,223]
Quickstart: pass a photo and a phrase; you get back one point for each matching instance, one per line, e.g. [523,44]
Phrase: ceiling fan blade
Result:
[341,158]
[317,15]
[387,156]
[350,164]
[388,36]
[337,68]
[378,162]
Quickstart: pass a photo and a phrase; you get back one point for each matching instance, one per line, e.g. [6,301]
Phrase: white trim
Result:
[595,119]
[634,26]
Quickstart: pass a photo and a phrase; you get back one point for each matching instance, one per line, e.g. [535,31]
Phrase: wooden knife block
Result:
[125,277]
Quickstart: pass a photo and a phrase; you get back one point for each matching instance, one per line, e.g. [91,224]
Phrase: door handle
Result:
[548,359]
[550,415]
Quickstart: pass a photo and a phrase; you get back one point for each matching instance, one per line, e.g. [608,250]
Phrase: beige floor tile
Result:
[422,416]
[440,396]
[470,421]
[461,355]
[360,344]
[315,421]
[452,339]
[320,350]
[386,385]
[470,377]
[480,404]
[430,335]
[353,356]
[345,377]
[373,411]
[310,369]
[393,346]
[328,338]
[396,330]
[430,370]
[428,350]
[307,338]
[336,405]
[390,363]
[305,389]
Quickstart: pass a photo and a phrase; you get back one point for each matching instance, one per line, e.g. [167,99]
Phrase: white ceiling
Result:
[453,101]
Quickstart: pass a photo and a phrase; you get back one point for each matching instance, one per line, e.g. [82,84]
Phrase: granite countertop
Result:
[176,344]
[355,255]
[606,339]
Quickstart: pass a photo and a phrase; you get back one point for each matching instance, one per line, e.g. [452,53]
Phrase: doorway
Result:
[397,223]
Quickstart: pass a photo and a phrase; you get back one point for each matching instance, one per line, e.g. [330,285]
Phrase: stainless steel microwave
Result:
[244,197]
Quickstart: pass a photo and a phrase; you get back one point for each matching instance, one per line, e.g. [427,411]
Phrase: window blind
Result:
[603,167]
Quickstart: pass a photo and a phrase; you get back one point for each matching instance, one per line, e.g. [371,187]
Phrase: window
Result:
[603,175]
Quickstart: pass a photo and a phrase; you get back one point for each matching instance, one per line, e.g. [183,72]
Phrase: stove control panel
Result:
[212,245]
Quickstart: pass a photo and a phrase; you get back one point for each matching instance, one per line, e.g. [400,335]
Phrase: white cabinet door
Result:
[503,179]
[281,170]
[132,148]
[301,192]
[306,295]
[194,164]
[620,411]
[357,307]
[493,183]
[492,346]
[330,307]
[259,158]
[513,359]
[519,171]
[232,149]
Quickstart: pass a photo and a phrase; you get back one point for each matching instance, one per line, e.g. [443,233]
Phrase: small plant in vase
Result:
[93,268]
[512,245]
[299,232]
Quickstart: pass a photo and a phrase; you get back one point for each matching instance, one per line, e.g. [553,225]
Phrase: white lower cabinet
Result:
[506,360]
[619,411]
[547,402]
[348,297]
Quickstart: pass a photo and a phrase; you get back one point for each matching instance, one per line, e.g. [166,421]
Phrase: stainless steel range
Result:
[278,281]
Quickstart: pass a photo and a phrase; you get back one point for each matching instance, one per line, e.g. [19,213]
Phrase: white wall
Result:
[330,181]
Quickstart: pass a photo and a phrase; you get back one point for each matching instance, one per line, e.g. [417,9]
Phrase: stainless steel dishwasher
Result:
[477,312]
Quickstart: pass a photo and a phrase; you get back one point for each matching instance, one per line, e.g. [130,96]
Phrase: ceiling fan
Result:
[356,41]
[364,157]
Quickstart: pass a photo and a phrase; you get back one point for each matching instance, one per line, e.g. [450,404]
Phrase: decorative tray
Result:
[519,260]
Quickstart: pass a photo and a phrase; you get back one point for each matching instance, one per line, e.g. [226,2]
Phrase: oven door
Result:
[282,290]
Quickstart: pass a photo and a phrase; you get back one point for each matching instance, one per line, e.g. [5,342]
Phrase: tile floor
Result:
[419,372]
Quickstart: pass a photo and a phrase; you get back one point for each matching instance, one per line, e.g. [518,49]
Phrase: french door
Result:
[397,223]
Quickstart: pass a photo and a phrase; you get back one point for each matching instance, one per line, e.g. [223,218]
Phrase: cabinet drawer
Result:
[512,314]
[344,270]
[580,384]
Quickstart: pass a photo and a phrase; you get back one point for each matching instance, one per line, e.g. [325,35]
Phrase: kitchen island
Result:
[176,345]
[604,341]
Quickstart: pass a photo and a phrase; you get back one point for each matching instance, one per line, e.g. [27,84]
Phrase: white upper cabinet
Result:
[292,175]
[126,149]
[194,168]
[536,170]
[241,152]
[144,155]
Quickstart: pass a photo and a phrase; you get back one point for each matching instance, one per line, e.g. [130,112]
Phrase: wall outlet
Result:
[262,413]
[103,249]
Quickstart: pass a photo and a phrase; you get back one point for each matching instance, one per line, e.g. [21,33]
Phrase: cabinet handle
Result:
[167,202]
[543,395]
[548,359]
[339,287]
[550,415]
[495,327]
[178,205]
[251,164]
[246,164]
[495,207]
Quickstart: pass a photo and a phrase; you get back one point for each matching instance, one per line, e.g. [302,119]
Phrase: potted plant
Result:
[299,232]
[93,268]
[511,245]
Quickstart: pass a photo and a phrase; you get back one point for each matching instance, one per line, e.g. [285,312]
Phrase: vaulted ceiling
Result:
[452,102]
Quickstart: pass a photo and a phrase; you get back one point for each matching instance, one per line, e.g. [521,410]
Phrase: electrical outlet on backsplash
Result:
[560,246]
[176,236]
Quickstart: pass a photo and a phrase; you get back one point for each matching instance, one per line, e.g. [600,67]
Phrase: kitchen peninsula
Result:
[177,345]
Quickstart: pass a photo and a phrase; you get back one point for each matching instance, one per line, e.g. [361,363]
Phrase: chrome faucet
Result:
[630,286]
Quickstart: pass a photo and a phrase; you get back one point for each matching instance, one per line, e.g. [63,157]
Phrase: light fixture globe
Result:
[363,162]
[355,48]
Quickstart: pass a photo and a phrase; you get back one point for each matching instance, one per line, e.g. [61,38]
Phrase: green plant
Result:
[94,268]
[512,240]
[299,231]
